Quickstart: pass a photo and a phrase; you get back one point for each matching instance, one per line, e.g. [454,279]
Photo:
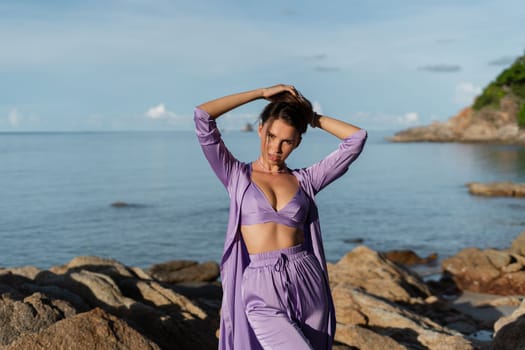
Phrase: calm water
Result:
[57,190]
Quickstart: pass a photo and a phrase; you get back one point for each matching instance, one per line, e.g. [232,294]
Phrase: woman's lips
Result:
[274,158]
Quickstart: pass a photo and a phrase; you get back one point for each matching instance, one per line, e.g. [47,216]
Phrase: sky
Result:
[140,65]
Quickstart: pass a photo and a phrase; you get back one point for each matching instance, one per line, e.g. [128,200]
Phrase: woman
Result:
[275,285]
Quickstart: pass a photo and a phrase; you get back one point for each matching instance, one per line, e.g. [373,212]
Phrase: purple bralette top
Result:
[256,209]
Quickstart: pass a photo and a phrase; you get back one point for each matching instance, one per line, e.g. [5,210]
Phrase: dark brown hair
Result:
[295,111]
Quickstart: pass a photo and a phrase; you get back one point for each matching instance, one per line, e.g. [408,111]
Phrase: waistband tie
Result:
[281,266]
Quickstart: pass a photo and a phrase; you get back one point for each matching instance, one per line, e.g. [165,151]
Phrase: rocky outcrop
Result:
[381,305]
[371,271]
[497,189]
[487,271]
[120,307]
[489,124]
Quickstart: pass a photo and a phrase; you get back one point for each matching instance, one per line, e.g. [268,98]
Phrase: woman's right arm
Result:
[215,108]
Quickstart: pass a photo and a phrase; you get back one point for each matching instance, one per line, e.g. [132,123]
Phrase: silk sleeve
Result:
[336,163]
[221,160]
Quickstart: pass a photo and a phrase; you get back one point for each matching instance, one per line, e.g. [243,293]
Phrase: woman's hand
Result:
[270,93]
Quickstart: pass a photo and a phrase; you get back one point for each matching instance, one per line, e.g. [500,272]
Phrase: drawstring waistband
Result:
[280,260]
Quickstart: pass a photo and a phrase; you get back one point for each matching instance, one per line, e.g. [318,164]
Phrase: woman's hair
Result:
[295,111]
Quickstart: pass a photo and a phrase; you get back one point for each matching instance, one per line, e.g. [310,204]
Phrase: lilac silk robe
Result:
[235,331]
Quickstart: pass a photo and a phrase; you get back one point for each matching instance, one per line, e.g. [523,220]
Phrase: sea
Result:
[58,191]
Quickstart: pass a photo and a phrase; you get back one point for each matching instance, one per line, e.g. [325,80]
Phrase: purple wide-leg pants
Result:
[285,296]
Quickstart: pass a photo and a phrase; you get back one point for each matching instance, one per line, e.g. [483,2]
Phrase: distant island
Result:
[496,116]
[247,127]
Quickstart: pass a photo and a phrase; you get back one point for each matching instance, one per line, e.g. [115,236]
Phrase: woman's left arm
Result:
[336,164]
[336,127]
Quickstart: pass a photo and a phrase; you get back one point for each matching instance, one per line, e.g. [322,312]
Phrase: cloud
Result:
[317,107]
[160,112]
[385,121]
[22,121]
[327,69]
[441,68]
[410,118]
[503,61]
[317,57]
[14,117]
[465,93]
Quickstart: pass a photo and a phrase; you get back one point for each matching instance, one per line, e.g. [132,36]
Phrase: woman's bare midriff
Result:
[260,238]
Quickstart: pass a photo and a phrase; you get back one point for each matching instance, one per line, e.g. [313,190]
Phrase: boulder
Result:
[21,315]
[364,339]
[95,329]
[390,322]
[518,245]
[177,271]
[409,257]
[487,271]
[372,271]
[509,333]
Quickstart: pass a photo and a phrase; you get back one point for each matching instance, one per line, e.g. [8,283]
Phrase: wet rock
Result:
[367,269]
[95,329]
[185,271]
[409,257]
[497,189]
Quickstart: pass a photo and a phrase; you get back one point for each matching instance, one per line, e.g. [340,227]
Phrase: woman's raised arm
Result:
[215,108]
[336,127]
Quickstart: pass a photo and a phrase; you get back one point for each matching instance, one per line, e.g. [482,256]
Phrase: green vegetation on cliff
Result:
[510,81]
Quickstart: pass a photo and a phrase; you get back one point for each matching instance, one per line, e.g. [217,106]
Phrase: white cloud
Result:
[317,107]
[160,112]
[465,93]
[14,117]
[409,118]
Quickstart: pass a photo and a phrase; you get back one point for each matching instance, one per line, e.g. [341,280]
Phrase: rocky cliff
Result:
[497,115]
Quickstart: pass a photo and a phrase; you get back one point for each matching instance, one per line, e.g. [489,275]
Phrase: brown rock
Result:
[95,329]
[367,269]
[487,271]
[21,315]
[485,125]
[409,257]
[471,268]
[365,339]
[497,189]
[518,244]
[406,328]
[185,271]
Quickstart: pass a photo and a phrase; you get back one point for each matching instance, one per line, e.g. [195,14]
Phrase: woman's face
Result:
[278,140]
